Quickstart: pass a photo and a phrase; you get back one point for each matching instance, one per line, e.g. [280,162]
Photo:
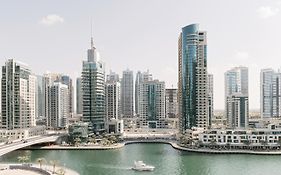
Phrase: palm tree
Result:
[92,139]
[21,159]
[77,141]
[112,139]
[54,163]
[41,161]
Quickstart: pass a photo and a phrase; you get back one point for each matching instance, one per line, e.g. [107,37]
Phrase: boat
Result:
[141,166]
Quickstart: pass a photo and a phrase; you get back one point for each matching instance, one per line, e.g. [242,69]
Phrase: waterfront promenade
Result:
[18,169]
[173,143]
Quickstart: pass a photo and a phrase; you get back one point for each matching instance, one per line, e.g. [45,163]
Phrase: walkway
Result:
[4,149]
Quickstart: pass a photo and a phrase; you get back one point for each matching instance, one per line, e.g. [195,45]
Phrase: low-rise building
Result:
[241,137]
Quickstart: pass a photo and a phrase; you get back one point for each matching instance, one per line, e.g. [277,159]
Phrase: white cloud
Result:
[52,19]
[267,12]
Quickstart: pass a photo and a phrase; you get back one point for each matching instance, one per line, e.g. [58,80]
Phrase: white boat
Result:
[141,166]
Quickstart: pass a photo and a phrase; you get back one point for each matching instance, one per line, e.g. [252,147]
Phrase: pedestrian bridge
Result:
[4,149]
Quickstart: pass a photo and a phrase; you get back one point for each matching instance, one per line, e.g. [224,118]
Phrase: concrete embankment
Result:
[172,143]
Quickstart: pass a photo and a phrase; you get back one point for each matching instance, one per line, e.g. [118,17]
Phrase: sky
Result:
[54,35]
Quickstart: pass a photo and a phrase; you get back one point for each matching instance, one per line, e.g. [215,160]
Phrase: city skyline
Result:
[152,48]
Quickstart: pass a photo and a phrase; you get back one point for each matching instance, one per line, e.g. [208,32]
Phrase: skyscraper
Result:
[140,77]
[113,97]
[79,97]
[65,79]
[93,90]
[48,81]
[127,94]
[210,98]
[18,96]
[171,104]
[236,90]
[39,96]
[193,92]
[238,107]
[270,88]
[152,104]
[58,110]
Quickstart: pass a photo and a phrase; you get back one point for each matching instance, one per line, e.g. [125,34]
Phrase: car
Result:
[24,141]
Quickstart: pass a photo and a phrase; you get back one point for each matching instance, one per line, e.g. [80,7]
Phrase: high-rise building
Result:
[46,81]
[18,96]
[127,94]
[192,90]
[270,88]
[113,97]
[113,105]
[79,97]
[152,104]
[236,86]
[39,96]
[65,79]
[140,77]
[210,98]
[238,106]
[93,90]
[112,77]
[58,110]
[171,96]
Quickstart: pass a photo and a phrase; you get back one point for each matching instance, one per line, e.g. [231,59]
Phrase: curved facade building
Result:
[193,96]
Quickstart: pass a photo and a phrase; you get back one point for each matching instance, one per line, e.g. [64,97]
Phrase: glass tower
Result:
[193,97]
[93,91]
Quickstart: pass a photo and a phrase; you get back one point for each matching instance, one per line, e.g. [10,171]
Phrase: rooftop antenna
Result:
[92,42]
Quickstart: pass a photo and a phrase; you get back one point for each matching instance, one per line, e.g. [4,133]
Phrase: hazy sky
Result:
[53,35]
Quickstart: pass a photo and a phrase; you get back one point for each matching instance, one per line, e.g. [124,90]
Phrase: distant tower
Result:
[18,96]
[79,97]
[113,97]
[58,105]
[93,90]
[127,94]
[192,90]
[152,104]
[140,78]
[210,98]
[236,91]
[270,86]
[171,102]
[65,79]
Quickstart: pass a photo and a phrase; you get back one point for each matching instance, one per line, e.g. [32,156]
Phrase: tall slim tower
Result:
[152,104]
[18,96]
[93,90]
[127,94]
[270,86]
[79,98]
[210,98]
[236,89]
[193,92]
[171,104]
[65,79]
[140,78]
[113,97]
[58,105]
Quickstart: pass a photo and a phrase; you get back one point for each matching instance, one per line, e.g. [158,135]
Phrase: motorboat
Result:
[141,166]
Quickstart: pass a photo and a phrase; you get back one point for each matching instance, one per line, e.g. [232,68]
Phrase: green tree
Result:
[54,163]
[41,161]
[77,141]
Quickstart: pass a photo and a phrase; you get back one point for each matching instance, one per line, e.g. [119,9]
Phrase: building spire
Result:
[92,40]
